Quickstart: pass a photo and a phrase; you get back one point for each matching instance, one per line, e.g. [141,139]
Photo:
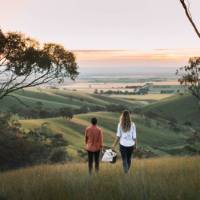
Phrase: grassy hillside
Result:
[182,108]
[152,179]
[146,97]
[154,134]
[55,99]
[151,135]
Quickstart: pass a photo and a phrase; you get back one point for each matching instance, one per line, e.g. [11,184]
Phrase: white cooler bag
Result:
[109,156]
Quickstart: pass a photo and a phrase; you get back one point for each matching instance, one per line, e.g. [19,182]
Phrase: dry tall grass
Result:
[163,179]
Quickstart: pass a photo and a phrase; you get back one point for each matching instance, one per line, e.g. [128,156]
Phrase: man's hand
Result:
[102,149]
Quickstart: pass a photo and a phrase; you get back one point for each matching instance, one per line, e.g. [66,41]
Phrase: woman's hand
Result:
[115,143]
[113,147]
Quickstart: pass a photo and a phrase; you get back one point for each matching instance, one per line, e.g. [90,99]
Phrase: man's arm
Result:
[86,138]
[101,138]
[135,140]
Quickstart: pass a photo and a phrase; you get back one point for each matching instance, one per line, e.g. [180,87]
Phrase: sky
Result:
[109,33]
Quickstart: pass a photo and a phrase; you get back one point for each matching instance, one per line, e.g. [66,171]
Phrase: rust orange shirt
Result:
[93,138]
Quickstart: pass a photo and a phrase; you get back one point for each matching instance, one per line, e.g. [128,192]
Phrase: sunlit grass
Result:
[163,178]
[155,97]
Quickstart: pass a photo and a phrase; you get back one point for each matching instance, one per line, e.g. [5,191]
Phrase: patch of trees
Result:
[117,92]
[140,91]
[66,113]
[20,149]
[116,107]
[40,111]
[194,138]
[167,91]
[189,76]
[191,149]
[188,123]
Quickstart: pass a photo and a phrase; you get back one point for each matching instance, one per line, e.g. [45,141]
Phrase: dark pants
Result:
[93,156]
[126,153]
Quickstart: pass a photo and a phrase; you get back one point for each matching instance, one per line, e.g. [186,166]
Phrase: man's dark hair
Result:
[94,120]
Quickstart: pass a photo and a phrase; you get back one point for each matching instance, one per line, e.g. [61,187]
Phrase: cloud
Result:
[127,55]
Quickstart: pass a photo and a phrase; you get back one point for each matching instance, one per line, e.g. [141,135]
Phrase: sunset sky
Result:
[109,33]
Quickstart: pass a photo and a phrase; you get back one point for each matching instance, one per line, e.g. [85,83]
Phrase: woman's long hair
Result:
[125,121]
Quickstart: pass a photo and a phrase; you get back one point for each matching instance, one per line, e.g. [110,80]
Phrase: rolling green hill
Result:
[156,134]
[155,137]
[55,99]
[181,108]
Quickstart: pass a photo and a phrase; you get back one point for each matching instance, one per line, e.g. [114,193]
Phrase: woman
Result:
[126,136]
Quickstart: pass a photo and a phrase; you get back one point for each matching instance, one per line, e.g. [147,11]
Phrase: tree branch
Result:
[41,79]
[187,12]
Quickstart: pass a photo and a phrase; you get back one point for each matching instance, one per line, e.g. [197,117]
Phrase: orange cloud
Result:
[161,55]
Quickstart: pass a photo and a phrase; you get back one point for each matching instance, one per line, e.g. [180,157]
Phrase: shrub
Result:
[19,149]
[58,155]
[188,123]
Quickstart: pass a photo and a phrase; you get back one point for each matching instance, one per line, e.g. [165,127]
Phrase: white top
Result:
[127,138]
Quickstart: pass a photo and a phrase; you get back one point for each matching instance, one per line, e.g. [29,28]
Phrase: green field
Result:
[153,179]
[181,108]
[155,133]
[161,130]
[55,99]
[157,138]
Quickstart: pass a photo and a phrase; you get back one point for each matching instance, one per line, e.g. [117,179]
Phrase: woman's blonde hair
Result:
[125,121]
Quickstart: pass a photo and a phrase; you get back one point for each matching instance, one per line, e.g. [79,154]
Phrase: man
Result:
[94,143]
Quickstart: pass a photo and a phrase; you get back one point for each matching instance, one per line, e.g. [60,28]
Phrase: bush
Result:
[143,153]
[58,155]
[19,149]
[188,123]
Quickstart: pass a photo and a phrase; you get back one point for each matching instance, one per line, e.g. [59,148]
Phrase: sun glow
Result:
[162,56]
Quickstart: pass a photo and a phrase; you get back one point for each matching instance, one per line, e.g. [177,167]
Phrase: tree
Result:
[25,63]
[189,76]
[66,113]
[189,16]
[96,91]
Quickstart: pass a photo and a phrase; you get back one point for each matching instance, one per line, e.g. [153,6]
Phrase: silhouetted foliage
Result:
[66,113]
[189,76]
[188,123]
[58,155]
[25,63]
[19,149]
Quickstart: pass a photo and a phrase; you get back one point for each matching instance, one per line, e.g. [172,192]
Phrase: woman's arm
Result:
[135,137]
[115,142]
[135,143]
[117,137]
